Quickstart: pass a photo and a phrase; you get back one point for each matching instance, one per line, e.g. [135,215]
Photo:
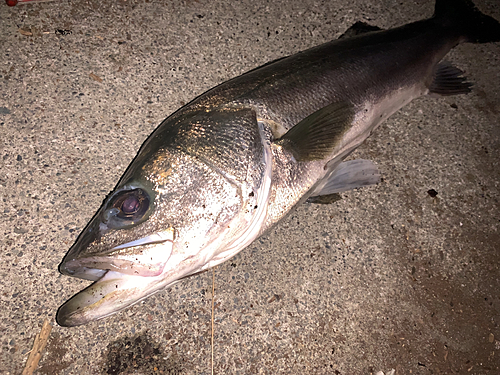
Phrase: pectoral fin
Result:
[316,136]
[347,176]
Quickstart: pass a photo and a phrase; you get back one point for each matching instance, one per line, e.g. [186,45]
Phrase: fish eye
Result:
[130,204]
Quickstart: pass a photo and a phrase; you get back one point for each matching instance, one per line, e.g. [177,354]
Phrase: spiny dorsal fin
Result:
[315,137]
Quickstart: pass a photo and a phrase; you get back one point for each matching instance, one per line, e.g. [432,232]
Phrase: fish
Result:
[223,169]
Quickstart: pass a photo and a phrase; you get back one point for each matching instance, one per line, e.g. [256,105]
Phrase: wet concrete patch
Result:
[139,354]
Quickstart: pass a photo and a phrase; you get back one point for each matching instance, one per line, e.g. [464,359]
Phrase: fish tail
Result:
[468,21]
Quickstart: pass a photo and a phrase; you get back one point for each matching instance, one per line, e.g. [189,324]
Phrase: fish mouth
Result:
[146,256]
[122,277]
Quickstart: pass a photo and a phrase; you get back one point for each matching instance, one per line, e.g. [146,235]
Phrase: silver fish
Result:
[226,167]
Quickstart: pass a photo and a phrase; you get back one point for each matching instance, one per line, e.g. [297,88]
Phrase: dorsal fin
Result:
[359,28]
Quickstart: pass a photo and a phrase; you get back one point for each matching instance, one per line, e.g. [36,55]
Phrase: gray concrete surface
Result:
[387,278]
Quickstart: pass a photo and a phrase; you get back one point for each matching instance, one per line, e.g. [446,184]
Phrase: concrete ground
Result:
[390,277]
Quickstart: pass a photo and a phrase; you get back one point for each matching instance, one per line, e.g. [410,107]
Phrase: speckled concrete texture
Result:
[391,277]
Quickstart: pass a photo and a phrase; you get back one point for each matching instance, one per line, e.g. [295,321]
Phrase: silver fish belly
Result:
[223,169]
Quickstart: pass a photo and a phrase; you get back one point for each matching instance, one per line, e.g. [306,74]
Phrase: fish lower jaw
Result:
[115,291]
[111,293]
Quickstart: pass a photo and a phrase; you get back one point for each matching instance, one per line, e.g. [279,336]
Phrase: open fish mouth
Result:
[123,277]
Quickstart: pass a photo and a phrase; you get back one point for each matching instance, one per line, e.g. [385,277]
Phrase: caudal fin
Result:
[463,16]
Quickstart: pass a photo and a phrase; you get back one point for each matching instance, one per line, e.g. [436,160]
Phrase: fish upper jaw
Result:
[143,257]
[147,260]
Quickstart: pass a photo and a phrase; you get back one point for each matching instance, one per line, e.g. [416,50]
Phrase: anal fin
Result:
[449,80]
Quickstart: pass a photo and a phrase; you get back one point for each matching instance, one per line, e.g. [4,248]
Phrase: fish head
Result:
[168,216]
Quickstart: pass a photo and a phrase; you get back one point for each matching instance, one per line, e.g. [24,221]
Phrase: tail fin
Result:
[475,26]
